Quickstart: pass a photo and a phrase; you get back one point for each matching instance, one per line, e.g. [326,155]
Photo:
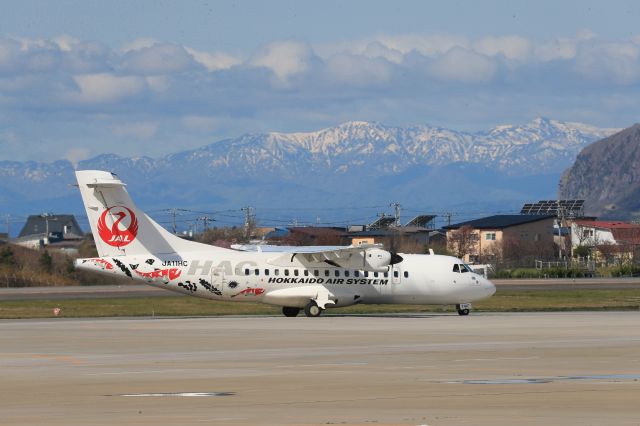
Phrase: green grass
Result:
[502,301]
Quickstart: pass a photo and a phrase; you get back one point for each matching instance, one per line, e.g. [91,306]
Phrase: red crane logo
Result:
[116,236]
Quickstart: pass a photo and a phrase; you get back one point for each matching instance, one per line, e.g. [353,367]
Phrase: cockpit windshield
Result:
[462,268]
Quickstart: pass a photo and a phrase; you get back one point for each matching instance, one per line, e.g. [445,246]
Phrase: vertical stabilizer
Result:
[119,227]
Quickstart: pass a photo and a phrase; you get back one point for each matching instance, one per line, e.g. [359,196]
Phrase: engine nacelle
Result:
[374,260]
[377,259]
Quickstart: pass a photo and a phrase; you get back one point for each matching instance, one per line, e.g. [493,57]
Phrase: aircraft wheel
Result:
[289,311]
[312,310]
[463,310]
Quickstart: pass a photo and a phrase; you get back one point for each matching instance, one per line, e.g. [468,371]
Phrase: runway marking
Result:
[495,359]
[537,380]
[115,373]
[180,394]
[331,364]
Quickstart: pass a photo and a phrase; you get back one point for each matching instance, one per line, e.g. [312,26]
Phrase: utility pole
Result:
[561,222]
[448,215]
[173,221]
[205,220]
[396,207]
[249,219]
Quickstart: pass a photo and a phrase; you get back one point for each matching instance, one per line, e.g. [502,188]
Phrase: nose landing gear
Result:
[463,308]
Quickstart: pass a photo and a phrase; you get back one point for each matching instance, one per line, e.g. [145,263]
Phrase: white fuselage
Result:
[253,276]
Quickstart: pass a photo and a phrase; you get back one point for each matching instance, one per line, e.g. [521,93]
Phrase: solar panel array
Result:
[568,208]
[382,222]
[423,221]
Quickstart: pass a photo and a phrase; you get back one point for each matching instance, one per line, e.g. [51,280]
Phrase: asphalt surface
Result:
[142,290]
[577,368]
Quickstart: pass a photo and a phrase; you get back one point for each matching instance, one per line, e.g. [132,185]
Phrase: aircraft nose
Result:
[489,287]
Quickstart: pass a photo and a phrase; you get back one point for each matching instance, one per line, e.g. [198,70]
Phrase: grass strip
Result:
[503,301]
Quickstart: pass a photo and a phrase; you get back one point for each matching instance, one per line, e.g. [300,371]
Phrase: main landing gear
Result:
[463,308]
[289,311]
[311,310]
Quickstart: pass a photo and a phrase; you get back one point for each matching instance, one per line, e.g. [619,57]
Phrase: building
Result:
[407,236]
[62,231]
[605,239]
[481,240]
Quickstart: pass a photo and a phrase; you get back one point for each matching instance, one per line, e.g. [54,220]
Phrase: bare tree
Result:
[462,241]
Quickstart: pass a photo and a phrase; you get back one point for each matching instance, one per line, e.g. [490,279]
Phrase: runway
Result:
[490,369]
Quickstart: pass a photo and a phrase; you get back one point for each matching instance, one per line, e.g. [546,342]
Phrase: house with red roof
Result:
[608,239]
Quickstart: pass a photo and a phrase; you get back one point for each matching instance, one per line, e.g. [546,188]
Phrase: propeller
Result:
[393,249]
[395,258]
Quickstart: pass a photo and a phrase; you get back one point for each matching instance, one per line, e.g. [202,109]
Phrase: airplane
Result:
[309,279]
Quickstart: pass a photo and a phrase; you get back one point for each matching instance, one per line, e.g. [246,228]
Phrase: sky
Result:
[80,78]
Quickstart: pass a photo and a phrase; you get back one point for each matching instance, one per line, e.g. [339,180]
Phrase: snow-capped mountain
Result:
[353,162]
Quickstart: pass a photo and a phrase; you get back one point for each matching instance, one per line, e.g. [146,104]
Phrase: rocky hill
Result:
[606,174]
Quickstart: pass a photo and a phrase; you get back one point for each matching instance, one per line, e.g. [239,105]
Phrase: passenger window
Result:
[316,272]
[386,275]
[295,272]
[375,275]
[456,268]
[286,272]
[306,273]
[337,273]
[326,272]
[395,274]
[247,272]
[406,274]
[276,272]
[366,274]
[346,273]
[356,273]
[266,272]
[257,271]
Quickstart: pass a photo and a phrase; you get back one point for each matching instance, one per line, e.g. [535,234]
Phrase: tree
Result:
[7,257]
[46,261]
[462,241]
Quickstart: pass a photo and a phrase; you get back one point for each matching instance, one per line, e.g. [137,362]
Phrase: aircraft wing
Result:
[366,257]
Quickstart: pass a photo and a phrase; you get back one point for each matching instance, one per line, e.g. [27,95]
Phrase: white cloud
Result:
[9,54]
[66,43]
[358,70]
[463,66]
[428,45]
[106,88]
[142,130]
[75,155]
[511,47]
[214,61]
[391,78]
[376,49]
[137,44]
[284,58]
[618,62]
[157,59]
[158,83]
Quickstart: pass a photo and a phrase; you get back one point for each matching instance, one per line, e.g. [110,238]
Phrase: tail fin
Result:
[119,227]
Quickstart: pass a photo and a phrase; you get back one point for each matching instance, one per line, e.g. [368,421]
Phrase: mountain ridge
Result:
[367,161]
